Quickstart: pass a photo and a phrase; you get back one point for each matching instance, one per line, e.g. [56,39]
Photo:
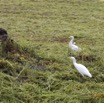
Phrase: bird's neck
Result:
[71,41]
[74,62]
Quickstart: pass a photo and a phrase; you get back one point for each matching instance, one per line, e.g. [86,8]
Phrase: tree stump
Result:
[7,44]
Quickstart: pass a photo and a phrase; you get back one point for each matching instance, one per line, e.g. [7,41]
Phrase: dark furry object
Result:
[7,44]
[3,34]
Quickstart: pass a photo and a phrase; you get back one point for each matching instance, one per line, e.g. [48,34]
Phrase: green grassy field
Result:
[46,74]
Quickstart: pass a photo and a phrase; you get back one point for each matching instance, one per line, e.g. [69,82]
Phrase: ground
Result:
[44,73]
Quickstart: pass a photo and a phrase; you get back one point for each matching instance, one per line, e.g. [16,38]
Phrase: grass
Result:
[45,74]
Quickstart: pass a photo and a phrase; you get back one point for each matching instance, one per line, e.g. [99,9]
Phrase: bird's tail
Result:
[90,75]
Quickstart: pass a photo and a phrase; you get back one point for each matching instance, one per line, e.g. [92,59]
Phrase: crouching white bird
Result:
[72,44]
[81,68]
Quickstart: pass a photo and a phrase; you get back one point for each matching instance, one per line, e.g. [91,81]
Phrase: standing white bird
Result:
[81,68]
[72,44]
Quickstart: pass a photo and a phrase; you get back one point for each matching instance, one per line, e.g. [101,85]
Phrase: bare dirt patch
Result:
[60,39]
[89,58]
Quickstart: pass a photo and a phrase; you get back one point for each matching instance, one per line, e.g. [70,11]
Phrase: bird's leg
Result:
[82,78]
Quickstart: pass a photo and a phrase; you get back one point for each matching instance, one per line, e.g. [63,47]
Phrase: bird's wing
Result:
[75,47]
[81,68]
[74,43]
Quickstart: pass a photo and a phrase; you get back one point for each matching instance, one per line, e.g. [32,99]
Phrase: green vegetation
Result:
[44,73]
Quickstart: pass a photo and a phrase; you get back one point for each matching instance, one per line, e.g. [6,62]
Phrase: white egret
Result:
[72,44]
[81,68]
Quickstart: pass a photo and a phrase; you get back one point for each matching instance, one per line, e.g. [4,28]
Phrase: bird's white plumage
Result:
[72,44]
[81,68]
